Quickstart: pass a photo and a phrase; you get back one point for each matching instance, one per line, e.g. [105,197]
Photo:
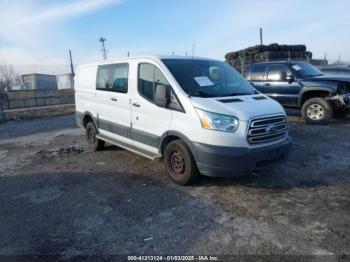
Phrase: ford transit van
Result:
[198,115]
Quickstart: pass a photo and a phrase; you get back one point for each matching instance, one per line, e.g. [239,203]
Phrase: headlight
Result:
[217,121]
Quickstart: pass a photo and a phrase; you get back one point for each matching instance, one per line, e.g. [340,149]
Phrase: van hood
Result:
[243,107]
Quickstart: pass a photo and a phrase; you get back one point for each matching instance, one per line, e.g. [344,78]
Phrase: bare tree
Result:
[7,77]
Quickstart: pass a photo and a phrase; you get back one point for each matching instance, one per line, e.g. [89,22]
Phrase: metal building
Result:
[40,81]
[65,81]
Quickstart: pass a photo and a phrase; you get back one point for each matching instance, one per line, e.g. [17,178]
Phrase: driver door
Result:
[149,121]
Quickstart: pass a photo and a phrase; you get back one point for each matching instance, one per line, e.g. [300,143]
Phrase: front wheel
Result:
[317,110]
[180,163]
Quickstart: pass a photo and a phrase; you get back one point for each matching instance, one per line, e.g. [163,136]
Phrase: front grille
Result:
[267,129]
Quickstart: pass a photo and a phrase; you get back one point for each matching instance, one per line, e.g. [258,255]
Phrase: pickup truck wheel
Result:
[317,110]
[180,163]
[91,137]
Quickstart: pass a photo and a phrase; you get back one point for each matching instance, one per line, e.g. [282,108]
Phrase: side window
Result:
[257,73]
[274,73]
[150,77]
[113,77]
[146,81]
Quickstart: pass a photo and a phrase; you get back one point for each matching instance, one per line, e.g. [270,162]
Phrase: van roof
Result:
[153,57]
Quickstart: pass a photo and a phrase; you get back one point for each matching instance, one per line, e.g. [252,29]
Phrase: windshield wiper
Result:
[238,94]
[200,92]
[205,94]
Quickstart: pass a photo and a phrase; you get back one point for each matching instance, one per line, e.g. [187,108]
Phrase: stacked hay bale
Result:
[242,59]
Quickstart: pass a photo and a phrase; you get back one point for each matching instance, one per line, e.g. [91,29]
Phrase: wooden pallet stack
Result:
[242,59]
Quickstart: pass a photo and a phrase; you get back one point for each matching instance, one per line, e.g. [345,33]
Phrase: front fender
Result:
[183,137]
[329,87]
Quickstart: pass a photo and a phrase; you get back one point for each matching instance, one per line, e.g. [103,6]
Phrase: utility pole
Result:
[192,50]
[103,50]
[261,36]
[71,63]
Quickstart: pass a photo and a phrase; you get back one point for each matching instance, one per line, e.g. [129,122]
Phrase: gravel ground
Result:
[57,197]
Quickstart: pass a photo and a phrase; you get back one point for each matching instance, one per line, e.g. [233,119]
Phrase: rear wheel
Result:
[317,110]
[91,137]
[180,163]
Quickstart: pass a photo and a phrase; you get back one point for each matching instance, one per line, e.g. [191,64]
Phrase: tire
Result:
[180,164]
[317,110]
[91,132]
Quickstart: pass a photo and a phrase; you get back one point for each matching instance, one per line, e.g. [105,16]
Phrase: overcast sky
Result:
[41,32]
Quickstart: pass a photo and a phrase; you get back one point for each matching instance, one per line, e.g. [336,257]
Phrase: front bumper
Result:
[346,100]
[341,100]
[223,161]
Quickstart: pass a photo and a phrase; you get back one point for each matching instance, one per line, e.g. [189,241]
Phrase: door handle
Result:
[114,99]
[267,84]
[136,104]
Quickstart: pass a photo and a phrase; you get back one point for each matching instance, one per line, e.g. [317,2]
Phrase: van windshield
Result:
[208,78]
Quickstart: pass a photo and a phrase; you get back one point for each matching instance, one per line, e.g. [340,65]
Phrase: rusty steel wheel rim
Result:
[177,163]
[91,134]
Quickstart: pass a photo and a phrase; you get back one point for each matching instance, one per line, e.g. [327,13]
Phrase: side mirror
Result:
[161,96]
[283,76]
[290,78]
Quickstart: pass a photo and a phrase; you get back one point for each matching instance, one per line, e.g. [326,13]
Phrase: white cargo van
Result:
[197,114]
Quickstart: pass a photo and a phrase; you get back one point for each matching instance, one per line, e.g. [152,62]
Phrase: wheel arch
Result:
[310,92]
[88,117]
[169,136]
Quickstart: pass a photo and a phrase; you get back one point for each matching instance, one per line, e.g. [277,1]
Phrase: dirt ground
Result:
[57,197]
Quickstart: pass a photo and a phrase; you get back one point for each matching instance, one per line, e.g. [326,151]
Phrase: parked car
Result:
[301,85]
[342,70]
[197,114]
